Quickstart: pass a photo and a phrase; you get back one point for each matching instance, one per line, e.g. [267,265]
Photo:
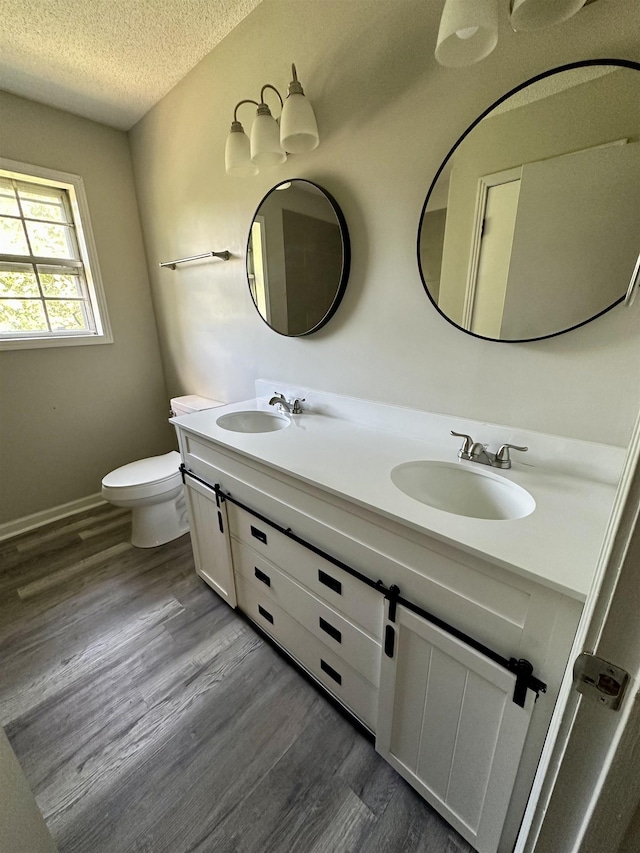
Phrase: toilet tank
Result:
[192,403]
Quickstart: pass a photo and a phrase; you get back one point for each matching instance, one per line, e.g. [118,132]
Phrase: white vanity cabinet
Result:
[443,714]
[210,539]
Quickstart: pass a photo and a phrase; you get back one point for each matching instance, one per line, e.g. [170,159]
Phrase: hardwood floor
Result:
[149,716]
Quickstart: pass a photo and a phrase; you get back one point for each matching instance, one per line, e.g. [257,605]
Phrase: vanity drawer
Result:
[344,593]
[341,680]
[341,635]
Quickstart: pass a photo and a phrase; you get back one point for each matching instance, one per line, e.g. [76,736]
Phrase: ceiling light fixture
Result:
[469,28]
[270,141]
[531,14]
[468,32]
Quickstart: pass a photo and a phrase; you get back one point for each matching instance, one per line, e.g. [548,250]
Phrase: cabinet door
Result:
[447,723]
[210,539]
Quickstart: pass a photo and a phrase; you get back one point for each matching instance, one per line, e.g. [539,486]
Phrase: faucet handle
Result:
[503,459]
[297,407]
[467,444]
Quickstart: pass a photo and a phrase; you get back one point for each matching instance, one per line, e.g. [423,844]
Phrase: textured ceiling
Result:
[108,60]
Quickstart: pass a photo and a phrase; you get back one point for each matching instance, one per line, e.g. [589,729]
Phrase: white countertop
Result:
[556,545]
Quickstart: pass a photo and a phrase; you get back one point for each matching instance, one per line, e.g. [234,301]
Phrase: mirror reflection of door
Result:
[257,270]
[489,269]
[576,237]
[544,224]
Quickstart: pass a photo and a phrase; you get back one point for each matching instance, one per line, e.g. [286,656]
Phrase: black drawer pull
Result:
[262,576]
[258,534]
[327,580]
[331,672]
[265,614]
[330,630]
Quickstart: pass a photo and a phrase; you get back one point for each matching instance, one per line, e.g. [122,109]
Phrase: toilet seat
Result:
[143,478]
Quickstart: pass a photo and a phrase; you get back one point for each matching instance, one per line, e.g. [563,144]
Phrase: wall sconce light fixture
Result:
[469,28]
[270,141]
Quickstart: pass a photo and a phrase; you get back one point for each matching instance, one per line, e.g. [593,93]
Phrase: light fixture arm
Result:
[239,104]
[295,87]
[269,86]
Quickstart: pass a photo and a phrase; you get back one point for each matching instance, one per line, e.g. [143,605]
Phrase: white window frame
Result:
[74,186]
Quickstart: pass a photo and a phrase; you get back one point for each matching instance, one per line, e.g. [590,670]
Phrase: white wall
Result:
[69,415]
[387,115]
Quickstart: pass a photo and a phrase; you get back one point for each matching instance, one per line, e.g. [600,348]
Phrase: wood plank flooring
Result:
[149,716]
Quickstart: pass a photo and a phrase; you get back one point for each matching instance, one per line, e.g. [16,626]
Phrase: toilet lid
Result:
[155,469]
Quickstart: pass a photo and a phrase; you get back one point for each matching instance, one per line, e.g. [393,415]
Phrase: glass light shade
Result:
[468,32]
[298,126]
[530,14]
[265,141]
[237,154]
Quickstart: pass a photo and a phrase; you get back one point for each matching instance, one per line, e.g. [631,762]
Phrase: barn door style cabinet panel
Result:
[210,539]
[450,659]
[449,725]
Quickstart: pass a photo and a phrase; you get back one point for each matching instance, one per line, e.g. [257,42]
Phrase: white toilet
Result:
[152,488]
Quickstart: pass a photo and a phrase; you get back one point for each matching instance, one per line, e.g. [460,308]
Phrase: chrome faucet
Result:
[292,407]
[475,451]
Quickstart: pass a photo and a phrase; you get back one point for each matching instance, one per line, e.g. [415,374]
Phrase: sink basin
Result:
[453,487]
[252,421]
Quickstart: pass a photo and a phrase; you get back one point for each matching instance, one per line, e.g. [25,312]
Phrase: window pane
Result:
[22,315]
[42,203]
[12,237]
[66,315]
[50,240]
[45,297]
[8,203]
[60,283]
[18,280]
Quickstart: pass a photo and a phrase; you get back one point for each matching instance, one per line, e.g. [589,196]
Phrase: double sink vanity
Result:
[429,571]
[435,598]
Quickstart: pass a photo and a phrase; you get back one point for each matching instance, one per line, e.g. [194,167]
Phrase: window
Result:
[50,290]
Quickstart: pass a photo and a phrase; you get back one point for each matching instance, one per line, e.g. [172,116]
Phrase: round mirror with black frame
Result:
[298,257]
[531,226]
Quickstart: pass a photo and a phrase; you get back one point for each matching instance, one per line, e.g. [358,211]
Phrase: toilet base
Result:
[158,523]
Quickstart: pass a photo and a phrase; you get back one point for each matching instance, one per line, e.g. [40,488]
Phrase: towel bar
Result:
[172,264]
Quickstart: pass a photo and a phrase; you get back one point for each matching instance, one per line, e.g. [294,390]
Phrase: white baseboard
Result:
[38,519]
